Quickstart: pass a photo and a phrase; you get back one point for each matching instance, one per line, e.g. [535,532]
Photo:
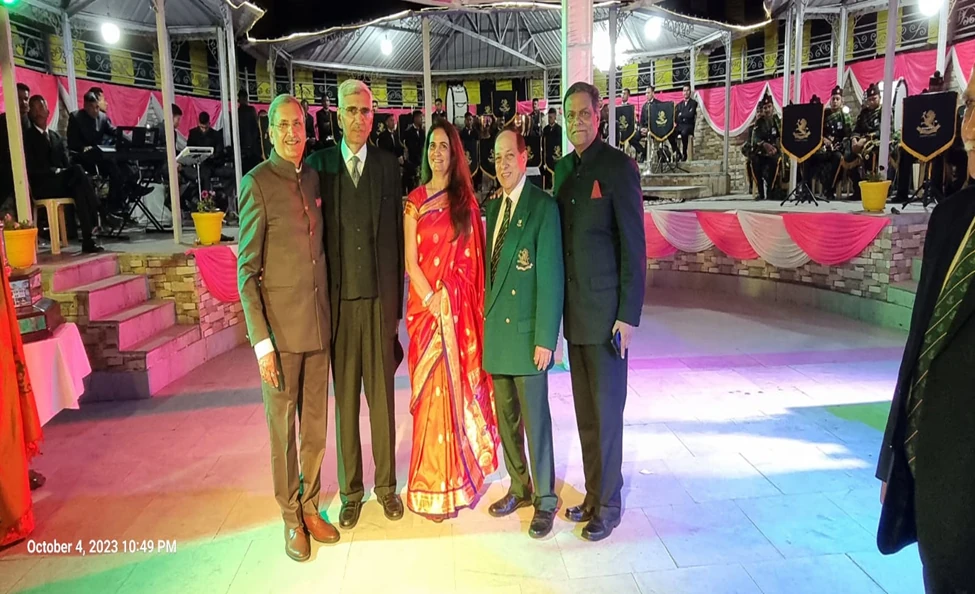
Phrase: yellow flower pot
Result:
[21,245]
[208,227]
[873,195]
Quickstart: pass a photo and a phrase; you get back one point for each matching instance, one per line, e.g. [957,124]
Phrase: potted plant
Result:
[208,220]
[20,239]
[873,191]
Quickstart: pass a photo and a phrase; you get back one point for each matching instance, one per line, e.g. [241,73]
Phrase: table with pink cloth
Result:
[57,368]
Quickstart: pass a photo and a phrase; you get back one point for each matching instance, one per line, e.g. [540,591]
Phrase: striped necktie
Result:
[496,253]
[355,170]
[952,295]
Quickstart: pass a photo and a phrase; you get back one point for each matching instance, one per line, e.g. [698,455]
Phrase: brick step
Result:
[916,269]
[62,276]
[113,294]
[136,324]
[674,192]
[715,184]
[149,365]
[902,293]
[701,166]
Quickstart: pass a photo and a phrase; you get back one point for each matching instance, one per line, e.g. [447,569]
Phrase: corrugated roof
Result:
[139,15]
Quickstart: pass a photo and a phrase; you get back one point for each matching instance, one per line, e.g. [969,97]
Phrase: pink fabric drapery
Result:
[832,238]
[192,107]
[964,57]
[915,68]
[40,84]
[744,99]
[218,267]
[126,105]
[657,246]
[725,231]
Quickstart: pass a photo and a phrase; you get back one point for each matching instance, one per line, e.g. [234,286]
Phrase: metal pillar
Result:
[786,59]
[225,126]
[166,63]
[797,80]
[545,88]
[888,94]
[841,58]
[576,51]
[67,41]
[14,127]
[232,78]
[693,68]
[427,77]
[612,75]
[726,148]
[942,37]
[291,76]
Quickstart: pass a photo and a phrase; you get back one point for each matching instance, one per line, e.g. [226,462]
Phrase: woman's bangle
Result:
[426,300]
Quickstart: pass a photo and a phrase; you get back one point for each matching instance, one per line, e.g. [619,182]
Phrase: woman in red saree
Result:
[20,428]
[455,431]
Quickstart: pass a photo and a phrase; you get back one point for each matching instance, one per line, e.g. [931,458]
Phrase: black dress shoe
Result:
[90,247]
[507,505]
[541,524]
[349,516]
[598,528]
[392,506]
[579,513]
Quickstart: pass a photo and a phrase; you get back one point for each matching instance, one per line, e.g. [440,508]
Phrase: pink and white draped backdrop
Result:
[783,240]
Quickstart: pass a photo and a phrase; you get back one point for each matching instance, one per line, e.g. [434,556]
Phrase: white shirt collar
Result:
[41,130]
[347,154]
[515,196]
[516,192]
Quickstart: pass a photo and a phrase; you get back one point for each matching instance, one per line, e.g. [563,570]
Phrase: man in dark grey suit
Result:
[604,248]
[363,212]
[283,288]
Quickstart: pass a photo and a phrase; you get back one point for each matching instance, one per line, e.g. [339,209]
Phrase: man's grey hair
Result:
[278,102]
[353,87]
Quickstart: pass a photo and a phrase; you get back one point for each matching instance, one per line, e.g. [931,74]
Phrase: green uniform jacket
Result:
[523,308]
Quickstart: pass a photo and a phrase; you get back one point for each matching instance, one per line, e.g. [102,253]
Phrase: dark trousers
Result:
[764,169]
[935,171]
[938,584]
[297,469]
[72,183]
[522,405]
[599,393]
[118,176]
[685,138]
[357,359]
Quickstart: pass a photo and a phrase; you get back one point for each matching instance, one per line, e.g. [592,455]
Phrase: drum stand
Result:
[928,193]
[802,194]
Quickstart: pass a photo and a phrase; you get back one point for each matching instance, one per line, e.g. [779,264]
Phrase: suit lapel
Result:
[519,219]
[967,306]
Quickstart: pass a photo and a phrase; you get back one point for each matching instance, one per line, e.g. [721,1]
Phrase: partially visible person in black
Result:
[311,145]
[551,148]
[471,140]
[178,136]
[51,174]
[262,125]
[645,118]
[536,119]
[205,136]
[6,170]
[439,113]
[327,121]
[251,145]
[88,129]
[386,139]
[604,249]
[686,117]
[413,140]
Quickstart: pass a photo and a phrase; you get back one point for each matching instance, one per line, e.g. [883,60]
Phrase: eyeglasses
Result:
[285,127]
[365,112]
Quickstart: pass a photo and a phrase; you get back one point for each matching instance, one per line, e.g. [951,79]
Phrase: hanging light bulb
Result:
[652,29]
[386,46]
[929,8]
[111,33]
[600,50]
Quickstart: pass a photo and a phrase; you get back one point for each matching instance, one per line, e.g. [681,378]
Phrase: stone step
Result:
[674,192]
[715,184]
[136,324]
[916,269]
[113,294]
[62,276]
[149,366]
[902,293]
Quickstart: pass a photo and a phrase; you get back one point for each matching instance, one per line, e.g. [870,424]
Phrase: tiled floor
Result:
[738,480]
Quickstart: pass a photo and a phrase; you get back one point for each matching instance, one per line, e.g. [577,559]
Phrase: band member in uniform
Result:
[604,249]
[686,115]
[604,122]
[645,117]
[522,311]
[837,128]
[387,138]
[551,148]
[413,139]
[282,275]
[865,142]
[327,122]
[438,112]
[926,468]
[766,156]
[472,148]
[536,119]
[522,124]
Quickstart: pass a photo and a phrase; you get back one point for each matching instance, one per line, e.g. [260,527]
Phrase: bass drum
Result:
[456,104]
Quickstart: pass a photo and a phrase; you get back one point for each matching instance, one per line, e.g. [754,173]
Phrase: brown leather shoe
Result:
[296,543]
[319,529]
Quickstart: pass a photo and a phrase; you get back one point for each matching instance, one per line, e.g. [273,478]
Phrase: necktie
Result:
[355,170]
[945,310]
[496,254]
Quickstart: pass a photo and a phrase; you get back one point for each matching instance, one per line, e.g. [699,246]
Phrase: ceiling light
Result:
[929,8]
[386,46]
[110,33]
[600,50]
[653,28]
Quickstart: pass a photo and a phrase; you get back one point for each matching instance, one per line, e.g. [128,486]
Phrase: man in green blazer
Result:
[522,311]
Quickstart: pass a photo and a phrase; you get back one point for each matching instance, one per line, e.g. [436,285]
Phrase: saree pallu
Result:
[20,427]
[455,431]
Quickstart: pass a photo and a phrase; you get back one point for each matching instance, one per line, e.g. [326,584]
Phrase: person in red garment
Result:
[20,427]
